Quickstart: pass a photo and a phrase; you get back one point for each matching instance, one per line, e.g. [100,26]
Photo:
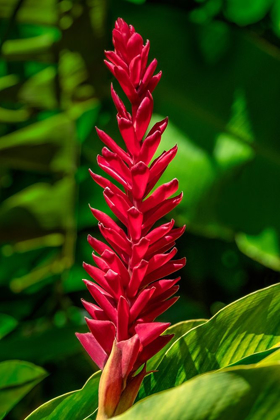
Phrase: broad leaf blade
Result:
[241,329]
[178,330]
[238,393]
[258,357]
[75,405]
[271,359]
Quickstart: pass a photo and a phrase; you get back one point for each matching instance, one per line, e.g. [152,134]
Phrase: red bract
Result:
[130,288]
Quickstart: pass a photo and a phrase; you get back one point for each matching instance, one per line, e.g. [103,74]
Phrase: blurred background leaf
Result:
[16,379]
[7,324]
[220,89]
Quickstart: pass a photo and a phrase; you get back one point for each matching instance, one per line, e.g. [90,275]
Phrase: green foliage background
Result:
[220,89]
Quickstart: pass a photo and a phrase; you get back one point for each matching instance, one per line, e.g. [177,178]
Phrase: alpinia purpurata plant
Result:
[131,287]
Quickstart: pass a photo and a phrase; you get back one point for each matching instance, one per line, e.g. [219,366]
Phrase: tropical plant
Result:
[220,90]
[227,366]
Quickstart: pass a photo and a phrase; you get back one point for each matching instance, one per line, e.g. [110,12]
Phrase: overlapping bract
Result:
[131,289]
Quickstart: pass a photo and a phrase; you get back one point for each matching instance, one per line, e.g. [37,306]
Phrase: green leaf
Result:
[8,81]
[43,13]
[237,393]
[246,12]
[264,247]
[31,261]
[86,122]
[178,330]
[75,405]
[47,146]
[37,210]
[17,378]
[13,116]
[42,346]
[275,17]
[46,269]
[258,357]
[214,41]
[245,327]
[271,359]
[39,90]
[27,48]
[87,396]
[7,324]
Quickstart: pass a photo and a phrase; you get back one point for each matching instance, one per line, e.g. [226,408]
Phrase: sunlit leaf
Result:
[237,393]
[44,13]
[256,357]
[272,358]
[178,330]
[237,331]
[24,49]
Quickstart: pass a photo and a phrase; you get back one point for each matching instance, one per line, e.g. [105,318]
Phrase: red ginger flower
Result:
[131,289]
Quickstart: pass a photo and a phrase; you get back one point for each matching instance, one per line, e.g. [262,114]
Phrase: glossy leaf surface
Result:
[245,327]
[237,393]
[75,405]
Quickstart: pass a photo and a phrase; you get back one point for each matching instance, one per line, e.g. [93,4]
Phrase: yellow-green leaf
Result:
[75,405]
[245,327]
[241,393]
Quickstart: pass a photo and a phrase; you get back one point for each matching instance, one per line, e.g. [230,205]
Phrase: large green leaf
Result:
[59,406]
[271,359]
[238,393]
[75,405]
[245,327]
[178,330]
[17,378]
[258,357]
